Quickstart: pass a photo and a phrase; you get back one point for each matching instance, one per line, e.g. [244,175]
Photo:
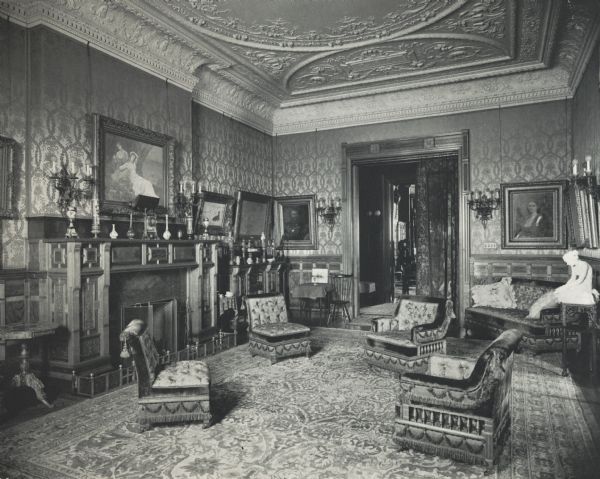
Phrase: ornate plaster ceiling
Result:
[293,65]
[304,48]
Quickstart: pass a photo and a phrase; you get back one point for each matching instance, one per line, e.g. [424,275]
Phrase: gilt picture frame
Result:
[253,216]
[217,208]
[533,215]
[132,161]
[296,222]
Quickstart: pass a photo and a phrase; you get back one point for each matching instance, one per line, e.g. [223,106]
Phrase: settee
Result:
[543,334]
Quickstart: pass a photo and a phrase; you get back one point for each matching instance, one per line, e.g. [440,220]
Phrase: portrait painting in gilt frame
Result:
[252,216]
[217,209]
[131,161]
[295,224]
[533,215]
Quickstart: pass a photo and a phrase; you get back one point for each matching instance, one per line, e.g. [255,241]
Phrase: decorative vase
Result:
[205,223]
[71,213]
[167,233]
[113,234]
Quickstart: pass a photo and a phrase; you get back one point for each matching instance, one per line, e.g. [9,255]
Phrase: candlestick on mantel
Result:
[574,167]
[588,165]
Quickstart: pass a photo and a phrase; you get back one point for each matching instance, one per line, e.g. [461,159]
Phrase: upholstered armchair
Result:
[460,408]
[405,341]
[167,393]
[271,334]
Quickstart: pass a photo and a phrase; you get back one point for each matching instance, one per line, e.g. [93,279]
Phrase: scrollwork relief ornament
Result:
[220,17]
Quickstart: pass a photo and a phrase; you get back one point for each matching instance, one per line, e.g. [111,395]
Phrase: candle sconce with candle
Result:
[484,203]
[329,211]
[586,180]
[71,189]
[185,201]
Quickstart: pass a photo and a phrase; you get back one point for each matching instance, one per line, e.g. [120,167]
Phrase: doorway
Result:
[358,155]
[408,211]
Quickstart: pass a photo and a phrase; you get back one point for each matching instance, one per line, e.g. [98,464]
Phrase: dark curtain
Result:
[436,227]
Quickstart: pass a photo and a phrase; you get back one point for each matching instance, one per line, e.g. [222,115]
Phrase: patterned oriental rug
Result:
[327,417]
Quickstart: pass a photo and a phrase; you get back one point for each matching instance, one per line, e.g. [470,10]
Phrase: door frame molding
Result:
[400,150]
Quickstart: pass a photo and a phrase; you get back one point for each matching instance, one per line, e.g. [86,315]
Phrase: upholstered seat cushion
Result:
[516,318]
[397,341]
[276,330]
[183,374]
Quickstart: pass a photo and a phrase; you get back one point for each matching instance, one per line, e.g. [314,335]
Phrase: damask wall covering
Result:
[68,82]
[230,156]
[13,74]
[535,146]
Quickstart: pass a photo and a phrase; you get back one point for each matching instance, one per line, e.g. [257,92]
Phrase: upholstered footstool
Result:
[279,340]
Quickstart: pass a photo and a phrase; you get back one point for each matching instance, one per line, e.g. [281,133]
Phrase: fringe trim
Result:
[457,454]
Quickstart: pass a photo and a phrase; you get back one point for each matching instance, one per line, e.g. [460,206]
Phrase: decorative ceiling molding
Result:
[436,57]
[512,90]
[219,94]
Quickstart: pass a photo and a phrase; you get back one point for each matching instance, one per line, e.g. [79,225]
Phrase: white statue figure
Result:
[578,290]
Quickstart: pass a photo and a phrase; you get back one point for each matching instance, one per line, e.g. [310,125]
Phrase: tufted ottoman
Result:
[271,334]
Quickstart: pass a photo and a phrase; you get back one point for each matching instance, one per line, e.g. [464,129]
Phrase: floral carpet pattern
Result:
[325,417]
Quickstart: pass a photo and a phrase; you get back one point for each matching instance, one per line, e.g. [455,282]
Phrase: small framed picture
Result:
[217,209]
[295,224]
[252,216]
[533,215]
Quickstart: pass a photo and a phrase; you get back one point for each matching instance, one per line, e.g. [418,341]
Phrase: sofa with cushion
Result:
[522,304]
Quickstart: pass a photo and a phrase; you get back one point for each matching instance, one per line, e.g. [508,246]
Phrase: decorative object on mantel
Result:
[329,211]
[130,231]
[71,189]
[581,204]
[185,201]
[484,203]
[113,234]
[167,233]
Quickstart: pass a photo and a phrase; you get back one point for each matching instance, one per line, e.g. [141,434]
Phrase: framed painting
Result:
[533,215]
[252,216]
[217,209]
[131,161]
[295,222]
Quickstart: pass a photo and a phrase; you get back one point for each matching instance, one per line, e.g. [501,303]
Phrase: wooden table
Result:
[24,333]
[308,294]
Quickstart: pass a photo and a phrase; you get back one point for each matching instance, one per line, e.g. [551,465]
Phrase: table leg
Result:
[26,378]
[593,353]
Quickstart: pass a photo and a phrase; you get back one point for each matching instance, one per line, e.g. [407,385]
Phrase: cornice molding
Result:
[221,95]
[399,112]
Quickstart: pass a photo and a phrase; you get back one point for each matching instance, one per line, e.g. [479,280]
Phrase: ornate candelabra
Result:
[484,203]
[329,211]
[184,205]
[71,190]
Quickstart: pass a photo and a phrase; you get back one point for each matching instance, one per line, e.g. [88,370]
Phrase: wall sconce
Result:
[71,189]
[329,211]
[185,200]
[483,204]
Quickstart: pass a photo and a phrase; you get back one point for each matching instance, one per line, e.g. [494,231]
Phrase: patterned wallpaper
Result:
[534,147]
[13,40]
[229,155]
[586,114]
[67,84]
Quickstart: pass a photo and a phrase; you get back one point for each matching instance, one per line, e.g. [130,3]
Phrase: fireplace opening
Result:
[160,318]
